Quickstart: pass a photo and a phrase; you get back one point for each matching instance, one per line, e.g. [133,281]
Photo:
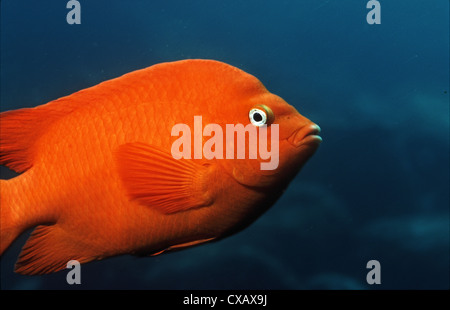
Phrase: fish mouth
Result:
[307,135]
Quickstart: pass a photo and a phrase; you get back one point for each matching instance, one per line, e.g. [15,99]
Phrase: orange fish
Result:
[98,177]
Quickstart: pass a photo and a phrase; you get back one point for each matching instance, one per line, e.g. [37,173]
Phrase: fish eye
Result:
[261,115]
[257,117]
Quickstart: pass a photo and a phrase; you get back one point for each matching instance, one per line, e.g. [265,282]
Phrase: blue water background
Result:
[378,188]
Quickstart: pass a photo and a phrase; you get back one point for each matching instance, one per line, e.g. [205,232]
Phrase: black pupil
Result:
[257,117]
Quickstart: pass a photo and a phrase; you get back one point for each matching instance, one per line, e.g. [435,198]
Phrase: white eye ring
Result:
[257,117]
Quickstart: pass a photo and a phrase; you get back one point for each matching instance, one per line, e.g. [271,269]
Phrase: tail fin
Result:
[9,227]
[17,136]
[19,130]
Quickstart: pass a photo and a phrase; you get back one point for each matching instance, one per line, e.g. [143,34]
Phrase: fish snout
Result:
[306,135]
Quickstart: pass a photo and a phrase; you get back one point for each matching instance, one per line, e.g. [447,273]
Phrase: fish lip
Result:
[307,135]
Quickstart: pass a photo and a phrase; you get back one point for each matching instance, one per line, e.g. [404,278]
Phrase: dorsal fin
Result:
[20,129]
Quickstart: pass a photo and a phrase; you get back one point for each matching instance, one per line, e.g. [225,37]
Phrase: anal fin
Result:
[48,250]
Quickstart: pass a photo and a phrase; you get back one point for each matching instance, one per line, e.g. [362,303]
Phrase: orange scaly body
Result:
[99,178]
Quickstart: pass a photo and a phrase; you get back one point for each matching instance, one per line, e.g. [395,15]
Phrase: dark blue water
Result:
[378,188]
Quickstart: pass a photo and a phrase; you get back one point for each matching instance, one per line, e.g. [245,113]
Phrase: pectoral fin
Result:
[154,178]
